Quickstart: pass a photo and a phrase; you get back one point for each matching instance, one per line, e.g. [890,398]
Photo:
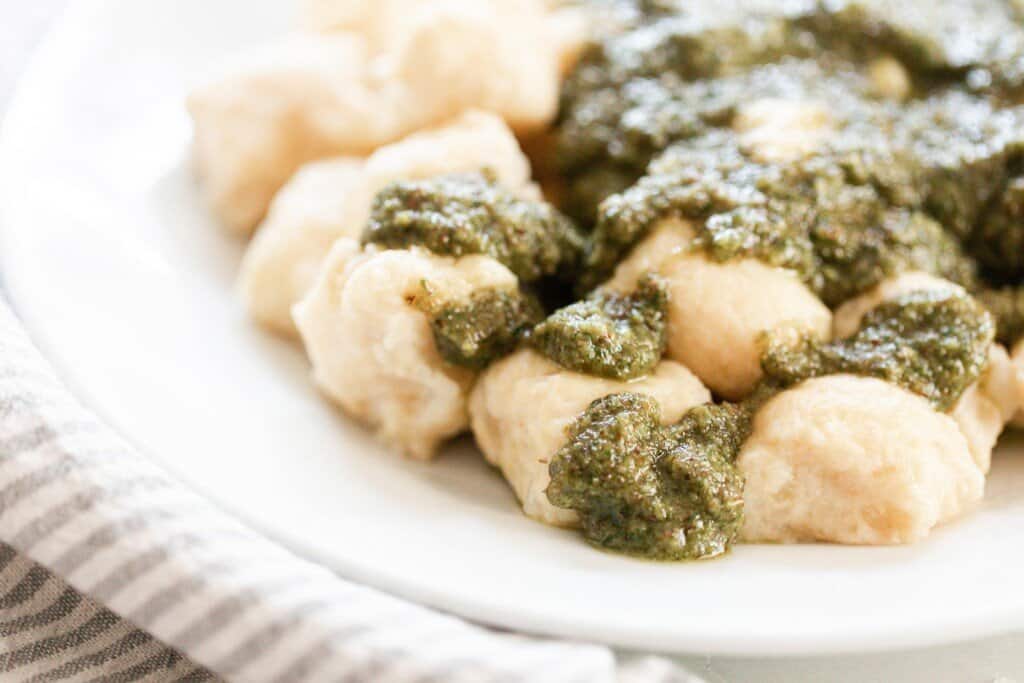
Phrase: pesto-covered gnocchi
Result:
[331,199]
[691,273]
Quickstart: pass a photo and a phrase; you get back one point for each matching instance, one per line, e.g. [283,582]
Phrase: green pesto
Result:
[608,334]
[474,333]
[976,43]
[693,181]
[951,154]
[665,493]
[853,258]
[1007,306]
[591,186]
[668,78]
[471,214]
[646,132]
[607,138]
[998,240]
[934,344]
[822,217]
[689,41]
[674,493]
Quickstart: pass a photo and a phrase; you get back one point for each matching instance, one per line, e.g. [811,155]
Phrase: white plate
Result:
[127,284]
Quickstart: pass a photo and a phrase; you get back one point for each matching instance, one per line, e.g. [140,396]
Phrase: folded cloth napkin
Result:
[110,570]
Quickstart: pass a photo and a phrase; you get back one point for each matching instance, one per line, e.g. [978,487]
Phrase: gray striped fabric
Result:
[112,571]
[50,632]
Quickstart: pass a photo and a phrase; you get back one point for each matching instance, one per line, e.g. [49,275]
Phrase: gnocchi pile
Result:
[692,273]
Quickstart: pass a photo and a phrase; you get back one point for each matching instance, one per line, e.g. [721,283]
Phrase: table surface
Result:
[994,660]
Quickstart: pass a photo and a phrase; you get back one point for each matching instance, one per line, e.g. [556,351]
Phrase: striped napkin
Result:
[112,571]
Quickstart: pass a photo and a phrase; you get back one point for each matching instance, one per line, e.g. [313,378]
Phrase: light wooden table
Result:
[22,23]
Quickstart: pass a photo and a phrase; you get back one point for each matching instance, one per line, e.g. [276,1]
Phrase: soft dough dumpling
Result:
[987,405]
[1017,358]
[854,460]
[719,311]
[331,199]
[372,348]
[495,55]
[302,99]
[522,405]
[381,22]
[777,129]
[328,94]
[306,218]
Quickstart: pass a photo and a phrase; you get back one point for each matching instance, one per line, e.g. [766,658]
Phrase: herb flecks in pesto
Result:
[853,257]
[608,334]
[1007,306]
[975,43]
[978,44]
[674,71]
[474,333]
[821,216]
[674,492]
[667,493]
[933,343]
[951,154]
[465,214]
[608,137]
[998,240]
[920,175]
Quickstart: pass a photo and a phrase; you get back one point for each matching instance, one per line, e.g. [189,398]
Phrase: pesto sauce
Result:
[608,334]
[822,217]
[679,76]
[954,153]
[976,43]
[934,344]
[674,493]
[474,333]
[652,64]
[645,133]
[998,240]
[1007,306]
[469,213]
[607,137]
[666,493]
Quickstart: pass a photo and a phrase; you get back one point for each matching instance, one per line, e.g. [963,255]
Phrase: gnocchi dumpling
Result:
[372,347]
[332,94]
[306,218]
[856,460]
[1017,359]
[522,406]
[777,129]
[274,110]
[381,22]
[718,311]
[987,405]
[331,199]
